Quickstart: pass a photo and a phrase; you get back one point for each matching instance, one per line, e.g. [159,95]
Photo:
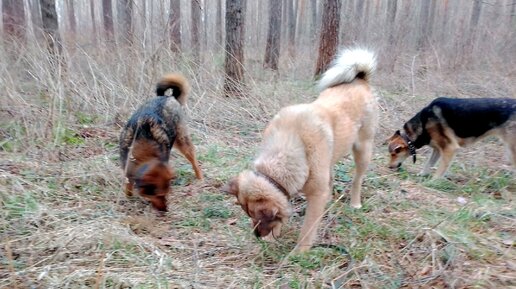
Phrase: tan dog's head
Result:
[262,201]
[152,180]
[398,149]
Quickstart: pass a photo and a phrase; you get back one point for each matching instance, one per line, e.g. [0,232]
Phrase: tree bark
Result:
[329,35]
[50,26]
[291,27]
[13,14]
[174,22]
[392,7]
[71,17]
[272,48]
[235,35]
[313,16]
[195,23]
[125,14]
[93,22]
[107,16]
[218,28]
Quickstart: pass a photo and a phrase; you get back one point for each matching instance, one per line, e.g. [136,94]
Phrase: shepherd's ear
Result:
[231,187]
[397,132]
[386,142]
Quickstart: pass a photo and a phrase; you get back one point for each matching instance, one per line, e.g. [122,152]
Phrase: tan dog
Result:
[303,142]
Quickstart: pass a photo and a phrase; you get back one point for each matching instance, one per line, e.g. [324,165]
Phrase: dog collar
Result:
[274,183]
[411,146]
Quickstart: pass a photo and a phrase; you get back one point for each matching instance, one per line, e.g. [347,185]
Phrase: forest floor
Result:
[66,223]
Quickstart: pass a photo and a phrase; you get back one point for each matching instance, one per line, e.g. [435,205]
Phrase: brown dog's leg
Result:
[184,145]
[128,187]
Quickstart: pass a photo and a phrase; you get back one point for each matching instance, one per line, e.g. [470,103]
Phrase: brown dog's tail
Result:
[349,65]
[177,83]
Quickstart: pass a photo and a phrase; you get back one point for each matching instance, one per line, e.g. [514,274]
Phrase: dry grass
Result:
[65,222]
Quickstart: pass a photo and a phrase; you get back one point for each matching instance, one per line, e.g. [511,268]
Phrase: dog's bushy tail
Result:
[177,83]
[349,64]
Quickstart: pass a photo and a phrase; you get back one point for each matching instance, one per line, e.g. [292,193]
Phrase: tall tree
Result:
[392,7]
[291,27]
[196,19]
[125,14]
[71,16]
[13,14]
[425,23]
[174,22]
[93,22]
[107,16]
[50,25]
[272,49]
[235,36]
[329,35]
[218,24]
[299,17]
[313,17]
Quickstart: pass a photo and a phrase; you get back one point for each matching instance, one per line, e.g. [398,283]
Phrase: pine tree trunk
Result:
[174,22]
[329,39]
[272,49]
[71,17]
[218,28]
[13,14]
[125,14]
[50,26]
[107,16]
[196,19]
[235,35]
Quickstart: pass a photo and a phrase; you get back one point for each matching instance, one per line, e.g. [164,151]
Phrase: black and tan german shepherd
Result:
[447,124]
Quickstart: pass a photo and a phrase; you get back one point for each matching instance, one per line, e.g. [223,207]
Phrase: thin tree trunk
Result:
[359,14]
[235,35]
[13,14]
[35,15]
[313,17]
[50,26]
[392,7]
[291,27]
[196,19]
[71,17]
[125,14]
[218,24]
[93,22]
[423,35]
[299,16]
[174,22]
[272,49]
[329,35]
[107,16]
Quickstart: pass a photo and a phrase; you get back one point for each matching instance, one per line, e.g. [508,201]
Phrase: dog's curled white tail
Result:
[349,64]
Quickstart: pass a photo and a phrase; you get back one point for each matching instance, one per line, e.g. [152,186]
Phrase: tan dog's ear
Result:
[231,187]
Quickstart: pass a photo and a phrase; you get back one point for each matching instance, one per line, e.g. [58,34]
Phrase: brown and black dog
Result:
[303,142]
[448,124]
[149,135]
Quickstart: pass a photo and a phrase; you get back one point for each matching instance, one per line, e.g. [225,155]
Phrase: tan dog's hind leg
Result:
[362,153]
[446,158]
[184,145]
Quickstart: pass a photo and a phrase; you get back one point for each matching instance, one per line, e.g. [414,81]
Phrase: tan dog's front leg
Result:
[313,216]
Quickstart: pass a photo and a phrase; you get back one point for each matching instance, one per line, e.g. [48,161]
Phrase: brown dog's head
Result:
[152,180]
[398,149]
[261,200]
